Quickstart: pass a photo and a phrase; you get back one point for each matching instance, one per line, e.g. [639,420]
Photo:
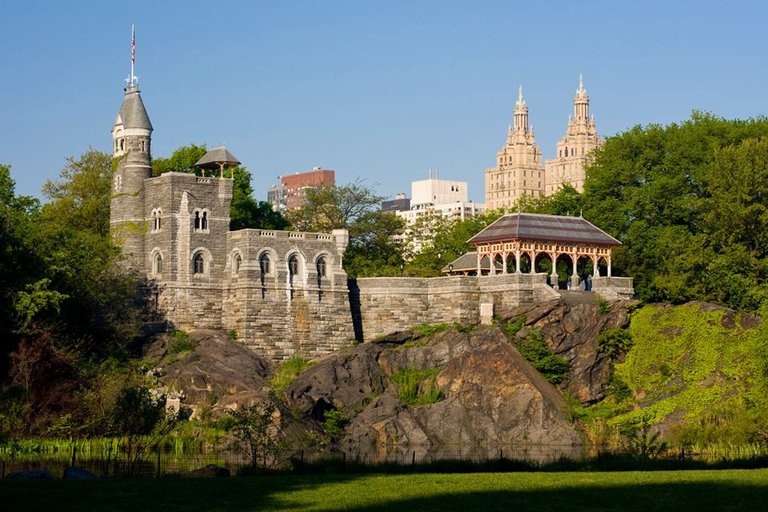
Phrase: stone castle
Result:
[520,170]
[281,293]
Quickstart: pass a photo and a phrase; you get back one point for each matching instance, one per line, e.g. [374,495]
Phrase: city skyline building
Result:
[291,192]
[520,170]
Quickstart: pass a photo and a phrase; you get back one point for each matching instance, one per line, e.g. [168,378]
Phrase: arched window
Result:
[205,220]
[238,260]
[293,268]
[264,264]
[197,220]
[321,268]
[158,264]
[198,263]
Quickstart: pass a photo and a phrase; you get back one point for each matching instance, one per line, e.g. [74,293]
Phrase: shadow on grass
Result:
[703,491]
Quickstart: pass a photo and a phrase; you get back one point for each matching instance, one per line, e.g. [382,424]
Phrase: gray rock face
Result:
[491,394]
[573,331]
[219,373]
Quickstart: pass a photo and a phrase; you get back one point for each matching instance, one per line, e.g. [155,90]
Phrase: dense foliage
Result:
[67,317]
[689,202]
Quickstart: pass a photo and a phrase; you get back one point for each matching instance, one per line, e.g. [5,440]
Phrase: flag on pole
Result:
[133,44]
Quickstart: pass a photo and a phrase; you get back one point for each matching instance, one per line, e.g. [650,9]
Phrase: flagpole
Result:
[133,53]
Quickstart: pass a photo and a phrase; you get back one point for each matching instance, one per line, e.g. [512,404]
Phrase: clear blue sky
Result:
[377,90]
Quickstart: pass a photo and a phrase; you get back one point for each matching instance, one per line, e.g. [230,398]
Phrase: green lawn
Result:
[743,490]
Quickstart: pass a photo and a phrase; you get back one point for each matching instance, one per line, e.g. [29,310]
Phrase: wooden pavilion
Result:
[517,235]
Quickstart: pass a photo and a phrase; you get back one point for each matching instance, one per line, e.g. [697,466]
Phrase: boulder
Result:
[217,374]
[30,474]
[492,396]
[73,473]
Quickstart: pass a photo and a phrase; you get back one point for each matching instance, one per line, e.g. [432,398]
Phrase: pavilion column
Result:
[574,276]
[517,261]
[609,266]
[479,260]
[504,258]
[532,254]
[595,261]
[553,277]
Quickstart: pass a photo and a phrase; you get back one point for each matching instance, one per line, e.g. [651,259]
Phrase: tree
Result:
[80,197]
[687,202]
[257,430]
[375,247]
[336,207]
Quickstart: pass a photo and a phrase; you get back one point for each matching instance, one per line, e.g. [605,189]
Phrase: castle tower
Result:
[131,139]
[518,170]
[574,149]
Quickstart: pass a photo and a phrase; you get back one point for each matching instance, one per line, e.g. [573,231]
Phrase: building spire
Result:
[581,84]
[520,100]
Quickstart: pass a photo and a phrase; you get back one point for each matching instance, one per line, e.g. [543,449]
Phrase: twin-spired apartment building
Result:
[520,169]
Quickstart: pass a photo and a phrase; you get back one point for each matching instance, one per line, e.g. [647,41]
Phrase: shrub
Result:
[535,350]
[512,327]
[288,372]
[603,306]
[180,343]
[334,422]
[431,329]
[614,342]
[417,387]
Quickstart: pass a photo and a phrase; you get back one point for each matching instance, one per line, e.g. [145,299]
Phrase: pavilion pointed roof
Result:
[217,158]
[543,228]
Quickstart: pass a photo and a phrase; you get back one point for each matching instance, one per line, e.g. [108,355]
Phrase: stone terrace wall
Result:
[382,305]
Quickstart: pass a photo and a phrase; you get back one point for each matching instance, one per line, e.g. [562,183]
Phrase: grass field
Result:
[743,490]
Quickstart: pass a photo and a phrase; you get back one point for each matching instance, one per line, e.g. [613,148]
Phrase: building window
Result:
[201,220]
[322,268]
[198,263]
[156,219]
[158,264]
[238,260]
[293,269]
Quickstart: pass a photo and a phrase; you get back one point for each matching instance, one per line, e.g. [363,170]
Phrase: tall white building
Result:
[446,197]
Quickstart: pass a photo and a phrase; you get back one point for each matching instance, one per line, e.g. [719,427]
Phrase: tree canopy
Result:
[688,202]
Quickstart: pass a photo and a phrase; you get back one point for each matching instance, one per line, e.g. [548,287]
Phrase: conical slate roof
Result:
[132,112]
[214,158]
[544,228]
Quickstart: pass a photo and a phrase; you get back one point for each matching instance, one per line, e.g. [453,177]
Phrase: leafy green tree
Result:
[374,237]
[256,428]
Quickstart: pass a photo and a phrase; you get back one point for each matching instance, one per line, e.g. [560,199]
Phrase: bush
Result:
[535,350]
[512,327]
[614,342]
[417,387]
[431,329]
[334,422]
[603,306]
[180,343]
[288,372]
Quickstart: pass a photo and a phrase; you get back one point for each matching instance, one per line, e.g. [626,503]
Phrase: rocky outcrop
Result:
[573,331]
[490,394]
[217,373]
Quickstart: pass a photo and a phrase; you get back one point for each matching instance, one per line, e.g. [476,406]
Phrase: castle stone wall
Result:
[382,305]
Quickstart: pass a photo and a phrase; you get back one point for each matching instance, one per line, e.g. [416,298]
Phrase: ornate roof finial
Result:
[520,100]
[581,90]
